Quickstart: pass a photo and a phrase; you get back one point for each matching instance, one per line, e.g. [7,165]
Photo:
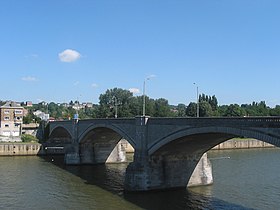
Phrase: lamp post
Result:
[197,100]
[144,95]
[144,86]
[116,103]
[47,112]
[76,116]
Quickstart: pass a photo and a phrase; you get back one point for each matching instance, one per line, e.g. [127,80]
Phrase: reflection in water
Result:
[111,178]
[176,199]
[33,182]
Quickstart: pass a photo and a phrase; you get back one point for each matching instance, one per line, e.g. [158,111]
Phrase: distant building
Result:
[42,115]
[77,106]
[30,128]
[43,103]
[89,105]
[28,104]
[51,119]
[65,105]
[11,116]
[84,105]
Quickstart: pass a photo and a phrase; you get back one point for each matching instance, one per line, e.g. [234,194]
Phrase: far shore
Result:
[9,148]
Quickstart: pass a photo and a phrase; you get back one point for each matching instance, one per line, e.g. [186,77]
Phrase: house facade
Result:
[11,116]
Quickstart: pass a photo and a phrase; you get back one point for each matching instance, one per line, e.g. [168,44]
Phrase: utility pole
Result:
[115,104]
[197,100]
[144,94]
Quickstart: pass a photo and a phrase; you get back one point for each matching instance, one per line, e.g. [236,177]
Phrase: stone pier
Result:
[95,154]
[172,172]
[202,174]
[72,155]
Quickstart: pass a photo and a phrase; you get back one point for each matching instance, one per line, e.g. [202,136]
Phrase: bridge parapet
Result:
[219,121]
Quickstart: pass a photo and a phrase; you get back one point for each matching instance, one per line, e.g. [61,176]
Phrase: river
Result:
[243,179]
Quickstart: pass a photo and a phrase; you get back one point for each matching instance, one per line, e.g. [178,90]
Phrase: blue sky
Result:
[77,49]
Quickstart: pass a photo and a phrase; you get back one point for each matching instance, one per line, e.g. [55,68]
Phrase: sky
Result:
[58,51]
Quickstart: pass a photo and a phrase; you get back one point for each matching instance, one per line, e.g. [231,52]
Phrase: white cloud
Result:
[134,90]
[76,83]
[69,56]
[32,56]
[94,85]
[29,79]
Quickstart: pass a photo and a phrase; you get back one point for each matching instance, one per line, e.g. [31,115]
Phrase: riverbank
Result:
[235,143]
[238,143]
[18,149]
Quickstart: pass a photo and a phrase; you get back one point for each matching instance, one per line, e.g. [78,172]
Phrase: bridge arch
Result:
[222,133]
[113,128]
[102,143]
[60,134]
[174,157]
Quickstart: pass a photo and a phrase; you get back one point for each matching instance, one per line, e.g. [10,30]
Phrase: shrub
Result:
[28,138]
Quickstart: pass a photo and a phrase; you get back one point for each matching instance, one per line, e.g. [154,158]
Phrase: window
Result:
[17,124]
[6,111]
[6,118]
[6,125]
[18,111]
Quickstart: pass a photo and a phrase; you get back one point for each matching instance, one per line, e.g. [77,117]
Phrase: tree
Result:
[112,98]
[191,109]
[136,106]
[28,138]
[91,112]
[208,105]
[262,109]
[205,109]
[256,109]
[150,107]
[275,111]
[27,119]
[30,118]
[181,110]
[213,101]
[234,110]
[162,108]
[221,111]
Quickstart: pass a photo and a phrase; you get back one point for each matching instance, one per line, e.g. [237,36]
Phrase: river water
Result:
[243,179]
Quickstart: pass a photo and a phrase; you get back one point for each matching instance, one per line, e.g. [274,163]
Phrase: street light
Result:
[76,116]
[144,95]
[197,100]
[116,103]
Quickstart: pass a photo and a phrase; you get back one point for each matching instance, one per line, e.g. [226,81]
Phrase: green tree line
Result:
[118,102]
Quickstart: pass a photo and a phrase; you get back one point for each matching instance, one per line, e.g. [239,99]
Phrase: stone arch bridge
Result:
[167,150]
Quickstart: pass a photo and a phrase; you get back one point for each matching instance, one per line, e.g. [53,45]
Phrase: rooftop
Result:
[11,104]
